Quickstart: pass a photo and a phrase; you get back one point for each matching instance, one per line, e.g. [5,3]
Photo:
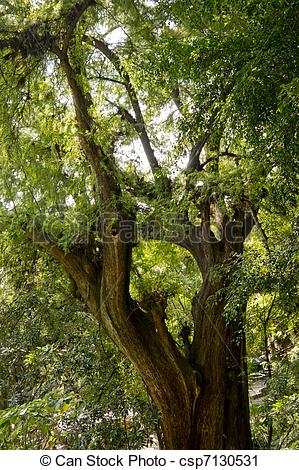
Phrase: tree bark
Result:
[221,418]
[202,398]
[144,339]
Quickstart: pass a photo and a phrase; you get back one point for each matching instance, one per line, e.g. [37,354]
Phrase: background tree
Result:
[211,97]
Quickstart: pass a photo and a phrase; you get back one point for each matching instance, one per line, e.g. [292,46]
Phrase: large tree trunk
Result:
[221,418]
[203,398]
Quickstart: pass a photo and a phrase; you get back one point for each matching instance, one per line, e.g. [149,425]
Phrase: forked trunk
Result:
[220,412]
[202,398]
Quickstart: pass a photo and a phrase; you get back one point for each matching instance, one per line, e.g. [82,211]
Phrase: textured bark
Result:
[237,434]
[222,410]
[202,398]
[218,352]
[146,342]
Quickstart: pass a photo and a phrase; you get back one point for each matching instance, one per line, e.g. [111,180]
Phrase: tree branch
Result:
[208,160]
[107,79]
[36,38]
[260,229]
[72,18]
[194,162]
[226,153]
[124,113]
[101,163]
[140,126]
[80,268]
[176,96]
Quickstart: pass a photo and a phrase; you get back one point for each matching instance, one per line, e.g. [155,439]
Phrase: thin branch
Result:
[103,388]
[140,126]
[209,160]
[72,18]
[194,162]
[270,308]
[226,153]
[31,190]
[260,228]
[124,113]
[176,96]
[110,30]
[107,79]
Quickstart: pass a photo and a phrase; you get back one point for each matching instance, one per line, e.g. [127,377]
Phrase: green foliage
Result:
[171,272]
[275,420]
[223,70]
[39,423]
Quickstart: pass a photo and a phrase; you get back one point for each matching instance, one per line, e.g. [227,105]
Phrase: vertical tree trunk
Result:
[221,415]
[237,433]
[203,398]
[220,412]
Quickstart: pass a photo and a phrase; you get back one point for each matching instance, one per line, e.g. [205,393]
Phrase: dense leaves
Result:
[184,121]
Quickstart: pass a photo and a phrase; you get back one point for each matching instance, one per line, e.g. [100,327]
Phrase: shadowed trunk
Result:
[203,398]
[221,418]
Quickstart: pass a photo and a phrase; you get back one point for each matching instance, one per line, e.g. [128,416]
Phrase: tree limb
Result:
[79,268]
[126,115]
[101,163]
[140,126]
[226,153]
[71,20]
[108,79]
[194,162]
[176,96]
[260,229]
[35,39]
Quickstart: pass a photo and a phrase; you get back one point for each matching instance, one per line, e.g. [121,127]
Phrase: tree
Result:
[73,105]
